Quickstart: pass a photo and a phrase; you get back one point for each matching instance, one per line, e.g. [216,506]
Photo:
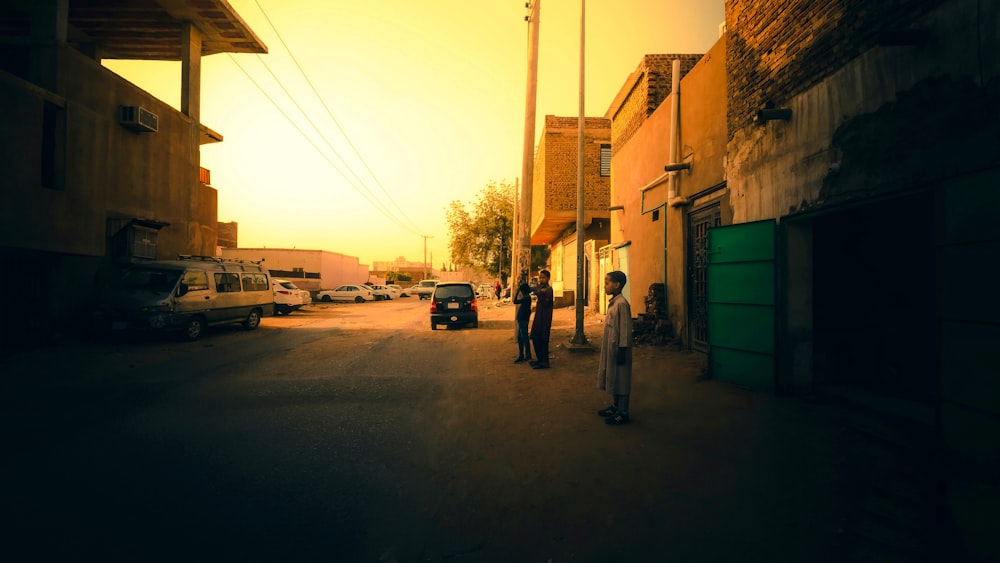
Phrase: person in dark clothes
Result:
[522,301]
[542,324]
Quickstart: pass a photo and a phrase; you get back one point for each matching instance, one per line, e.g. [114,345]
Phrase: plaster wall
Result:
[109,171]
[780,167]
[334,269]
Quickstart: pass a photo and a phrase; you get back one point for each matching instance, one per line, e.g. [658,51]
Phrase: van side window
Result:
[255,282]
[195,280]
[226,282]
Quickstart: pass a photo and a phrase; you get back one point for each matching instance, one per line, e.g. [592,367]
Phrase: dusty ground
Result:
[354,433]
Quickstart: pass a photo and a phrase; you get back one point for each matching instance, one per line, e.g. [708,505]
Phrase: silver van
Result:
[188,294]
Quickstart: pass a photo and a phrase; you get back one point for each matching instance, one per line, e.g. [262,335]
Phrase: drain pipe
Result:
[674,144]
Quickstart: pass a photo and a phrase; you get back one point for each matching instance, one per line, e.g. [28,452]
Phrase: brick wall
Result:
[561,143]
[644,91]
[781,48]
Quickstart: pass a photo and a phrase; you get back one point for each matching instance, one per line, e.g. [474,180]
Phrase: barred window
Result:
[605,159]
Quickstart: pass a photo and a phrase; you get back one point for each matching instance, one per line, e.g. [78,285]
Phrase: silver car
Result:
[347,293]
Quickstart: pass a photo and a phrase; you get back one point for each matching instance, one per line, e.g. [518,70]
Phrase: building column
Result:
[191,72]
[49,21]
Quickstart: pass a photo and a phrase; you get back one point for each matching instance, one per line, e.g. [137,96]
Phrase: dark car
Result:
[454,303]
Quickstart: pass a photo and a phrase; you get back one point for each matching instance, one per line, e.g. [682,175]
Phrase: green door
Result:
[741,287]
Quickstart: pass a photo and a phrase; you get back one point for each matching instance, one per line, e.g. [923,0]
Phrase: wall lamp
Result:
[677,167]
[771,114]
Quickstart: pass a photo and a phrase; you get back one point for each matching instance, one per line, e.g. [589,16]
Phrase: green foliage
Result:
[480,234]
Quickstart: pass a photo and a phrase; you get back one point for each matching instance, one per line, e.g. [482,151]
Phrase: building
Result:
[554,198]
[640,127]
[97,172]
[416,271]
[313,270]
[835,237]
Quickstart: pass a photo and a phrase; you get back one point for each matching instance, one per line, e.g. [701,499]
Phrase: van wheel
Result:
[359,299]
[253,320]
[193,329]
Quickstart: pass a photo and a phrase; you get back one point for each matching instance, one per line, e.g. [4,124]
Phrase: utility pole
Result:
[425,254]
[523,228]
[579,338]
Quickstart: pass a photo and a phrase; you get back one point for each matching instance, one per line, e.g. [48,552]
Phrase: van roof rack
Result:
[218,259]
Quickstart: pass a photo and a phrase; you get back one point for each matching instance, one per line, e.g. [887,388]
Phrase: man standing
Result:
[542,324]
[614,374]
[522,301]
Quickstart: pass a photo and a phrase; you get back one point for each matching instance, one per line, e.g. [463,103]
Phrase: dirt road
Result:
[355,433]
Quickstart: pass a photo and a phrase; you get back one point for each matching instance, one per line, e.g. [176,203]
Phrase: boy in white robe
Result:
[614,374]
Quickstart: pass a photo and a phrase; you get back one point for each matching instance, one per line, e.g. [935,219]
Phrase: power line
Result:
[334,119]
[382,209]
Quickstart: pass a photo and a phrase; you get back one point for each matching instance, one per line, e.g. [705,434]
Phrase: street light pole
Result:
[579,338]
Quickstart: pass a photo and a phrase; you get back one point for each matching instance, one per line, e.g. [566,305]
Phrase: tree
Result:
[481,238]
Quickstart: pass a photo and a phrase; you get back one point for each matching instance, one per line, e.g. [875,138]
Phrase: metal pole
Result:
[579,337]
[528,153]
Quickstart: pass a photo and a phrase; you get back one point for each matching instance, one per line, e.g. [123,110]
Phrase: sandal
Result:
[617,419]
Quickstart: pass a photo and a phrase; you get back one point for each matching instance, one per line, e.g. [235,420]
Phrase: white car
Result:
[347,293]
[288,297]
[384,292]
[399,288]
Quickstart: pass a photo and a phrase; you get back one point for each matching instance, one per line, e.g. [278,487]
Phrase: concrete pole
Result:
[579,338]
[528,154]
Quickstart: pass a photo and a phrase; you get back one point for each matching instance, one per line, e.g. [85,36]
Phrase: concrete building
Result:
[97,172]
[312,270]
[554,199]
[416,271]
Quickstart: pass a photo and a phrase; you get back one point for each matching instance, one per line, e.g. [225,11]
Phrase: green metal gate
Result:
[741,297]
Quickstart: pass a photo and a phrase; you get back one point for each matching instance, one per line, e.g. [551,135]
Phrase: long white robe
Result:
[616,379]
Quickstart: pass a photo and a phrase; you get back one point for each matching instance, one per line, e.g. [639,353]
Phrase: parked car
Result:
[186,295]
[347,293]
[485,291]
[454,303]
[288,297]
[383,292]
[402,292]
[424,289]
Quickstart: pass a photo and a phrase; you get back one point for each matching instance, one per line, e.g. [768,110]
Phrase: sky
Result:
[420,103]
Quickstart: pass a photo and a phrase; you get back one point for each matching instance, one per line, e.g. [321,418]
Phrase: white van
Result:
[190,293]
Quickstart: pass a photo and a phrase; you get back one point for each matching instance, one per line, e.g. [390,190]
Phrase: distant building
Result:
[228,235]
[415,270]
[310,269]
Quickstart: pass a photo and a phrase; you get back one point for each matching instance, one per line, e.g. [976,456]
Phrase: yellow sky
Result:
[430,93]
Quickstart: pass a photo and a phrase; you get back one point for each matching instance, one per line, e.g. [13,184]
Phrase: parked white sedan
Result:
[385,292]
[347,293]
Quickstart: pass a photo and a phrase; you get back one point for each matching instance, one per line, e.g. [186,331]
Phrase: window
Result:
[227,283]
[143,242]
[254,282]
[195,280]
[53,147]
[605,159]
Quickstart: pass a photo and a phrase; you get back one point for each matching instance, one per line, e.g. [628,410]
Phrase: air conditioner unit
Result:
[138,119]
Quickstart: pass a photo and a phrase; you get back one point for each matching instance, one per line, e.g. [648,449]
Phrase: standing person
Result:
[614,374]
[496,289]
[522,300]
[542,324]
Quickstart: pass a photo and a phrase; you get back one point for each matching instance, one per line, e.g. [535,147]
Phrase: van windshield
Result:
[155,280]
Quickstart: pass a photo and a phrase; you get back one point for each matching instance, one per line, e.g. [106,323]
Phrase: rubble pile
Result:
[653,326]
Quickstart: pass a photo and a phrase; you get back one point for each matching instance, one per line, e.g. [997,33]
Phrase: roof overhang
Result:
[142,29]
